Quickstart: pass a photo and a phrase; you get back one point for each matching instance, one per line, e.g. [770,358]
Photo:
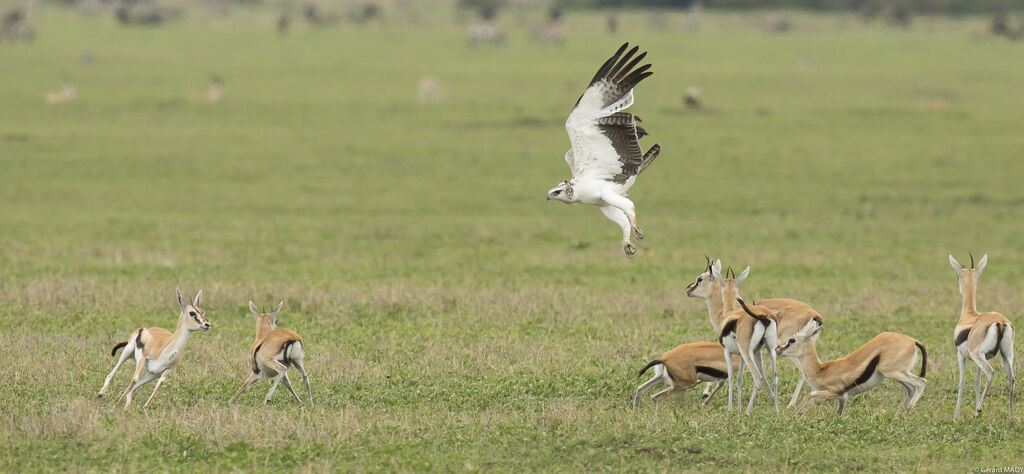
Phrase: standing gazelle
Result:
[979,336]
[888,355]
[274,350]
[740,331]
[156,351]
[794,316]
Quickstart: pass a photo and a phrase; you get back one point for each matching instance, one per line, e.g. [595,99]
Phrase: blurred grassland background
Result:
[453,319]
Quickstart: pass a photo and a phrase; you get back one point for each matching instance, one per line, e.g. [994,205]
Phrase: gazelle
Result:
[888,355]
[793,316]
[685,366]
[979,336]
[272,353]
[156,351]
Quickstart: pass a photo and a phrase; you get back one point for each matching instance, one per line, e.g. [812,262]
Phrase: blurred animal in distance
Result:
[431,91]
[213,95]
[66,93]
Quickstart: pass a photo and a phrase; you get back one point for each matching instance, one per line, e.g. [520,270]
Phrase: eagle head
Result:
[562,192]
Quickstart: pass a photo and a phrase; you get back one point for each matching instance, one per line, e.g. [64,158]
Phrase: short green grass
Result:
[453,319]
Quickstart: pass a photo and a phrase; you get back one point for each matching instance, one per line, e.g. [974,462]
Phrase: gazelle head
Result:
[265,322]
[730,282]
[796,345]
[195,316]
[702,286]
[968,277]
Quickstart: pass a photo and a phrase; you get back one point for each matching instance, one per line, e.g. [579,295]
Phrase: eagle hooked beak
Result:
[549,197]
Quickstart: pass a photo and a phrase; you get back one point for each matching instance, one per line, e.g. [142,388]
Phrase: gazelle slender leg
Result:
[718,386]
[906,400]
[1006,350]
[160,382]
[983,368]
[661,394]
[148,377]
[739,381]
[297,363]
[673,387]
[812,396]
[759,365]
[842,403]
[750,367]
[796,393]
[140,367]
[708,387]
[281,369]
[288,384]
[728,370]
[977,385]
[963,375]
[771,342]
[252,379]
[273,387]
[774,390]
[919,383]
[644,387]
[127,353]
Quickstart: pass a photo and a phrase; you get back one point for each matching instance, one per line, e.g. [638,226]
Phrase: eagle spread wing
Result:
[605,140]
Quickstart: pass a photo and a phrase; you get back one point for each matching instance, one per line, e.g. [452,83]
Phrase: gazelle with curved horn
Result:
[979,337]
[793,316]
[156,351]
[273,352]
[888,355]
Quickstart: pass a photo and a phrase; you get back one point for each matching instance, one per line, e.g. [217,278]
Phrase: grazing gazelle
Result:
[793,316]
[980,336]
[274,350]
[156,351]
[685,366]
[888,355]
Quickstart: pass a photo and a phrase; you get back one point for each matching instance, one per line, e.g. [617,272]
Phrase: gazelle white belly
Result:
[871,383]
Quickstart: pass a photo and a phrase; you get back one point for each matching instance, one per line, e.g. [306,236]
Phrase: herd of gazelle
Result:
[157,351]
[744,331]
[789,328]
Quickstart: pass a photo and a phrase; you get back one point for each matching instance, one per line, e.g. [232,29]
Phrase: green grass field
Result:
[453,319]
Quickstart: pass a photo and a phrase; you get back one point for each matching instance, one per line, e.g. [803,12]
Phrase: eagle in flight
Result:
[606,157]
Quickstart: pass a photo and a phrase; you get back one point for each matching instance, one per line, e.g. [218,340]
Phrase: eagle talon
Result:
[629,248]
[638,233]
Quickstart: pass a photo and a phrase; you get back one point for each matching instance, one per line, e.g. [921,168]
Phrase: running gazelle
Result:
[156,351]
[272,353]
[979,337]
[684,367]
[888,355]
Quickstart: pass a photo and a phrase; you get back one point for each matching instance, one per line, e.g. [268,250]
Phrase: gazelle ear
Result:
[277,310]
[255,312]
[955,264]
[198,300]
[743,275]
[812,334]
[181,300]
[982,263]
[716,271]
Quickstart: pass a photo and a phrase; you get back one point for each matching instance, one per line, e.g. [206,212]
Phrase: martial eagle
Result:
[606,157]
